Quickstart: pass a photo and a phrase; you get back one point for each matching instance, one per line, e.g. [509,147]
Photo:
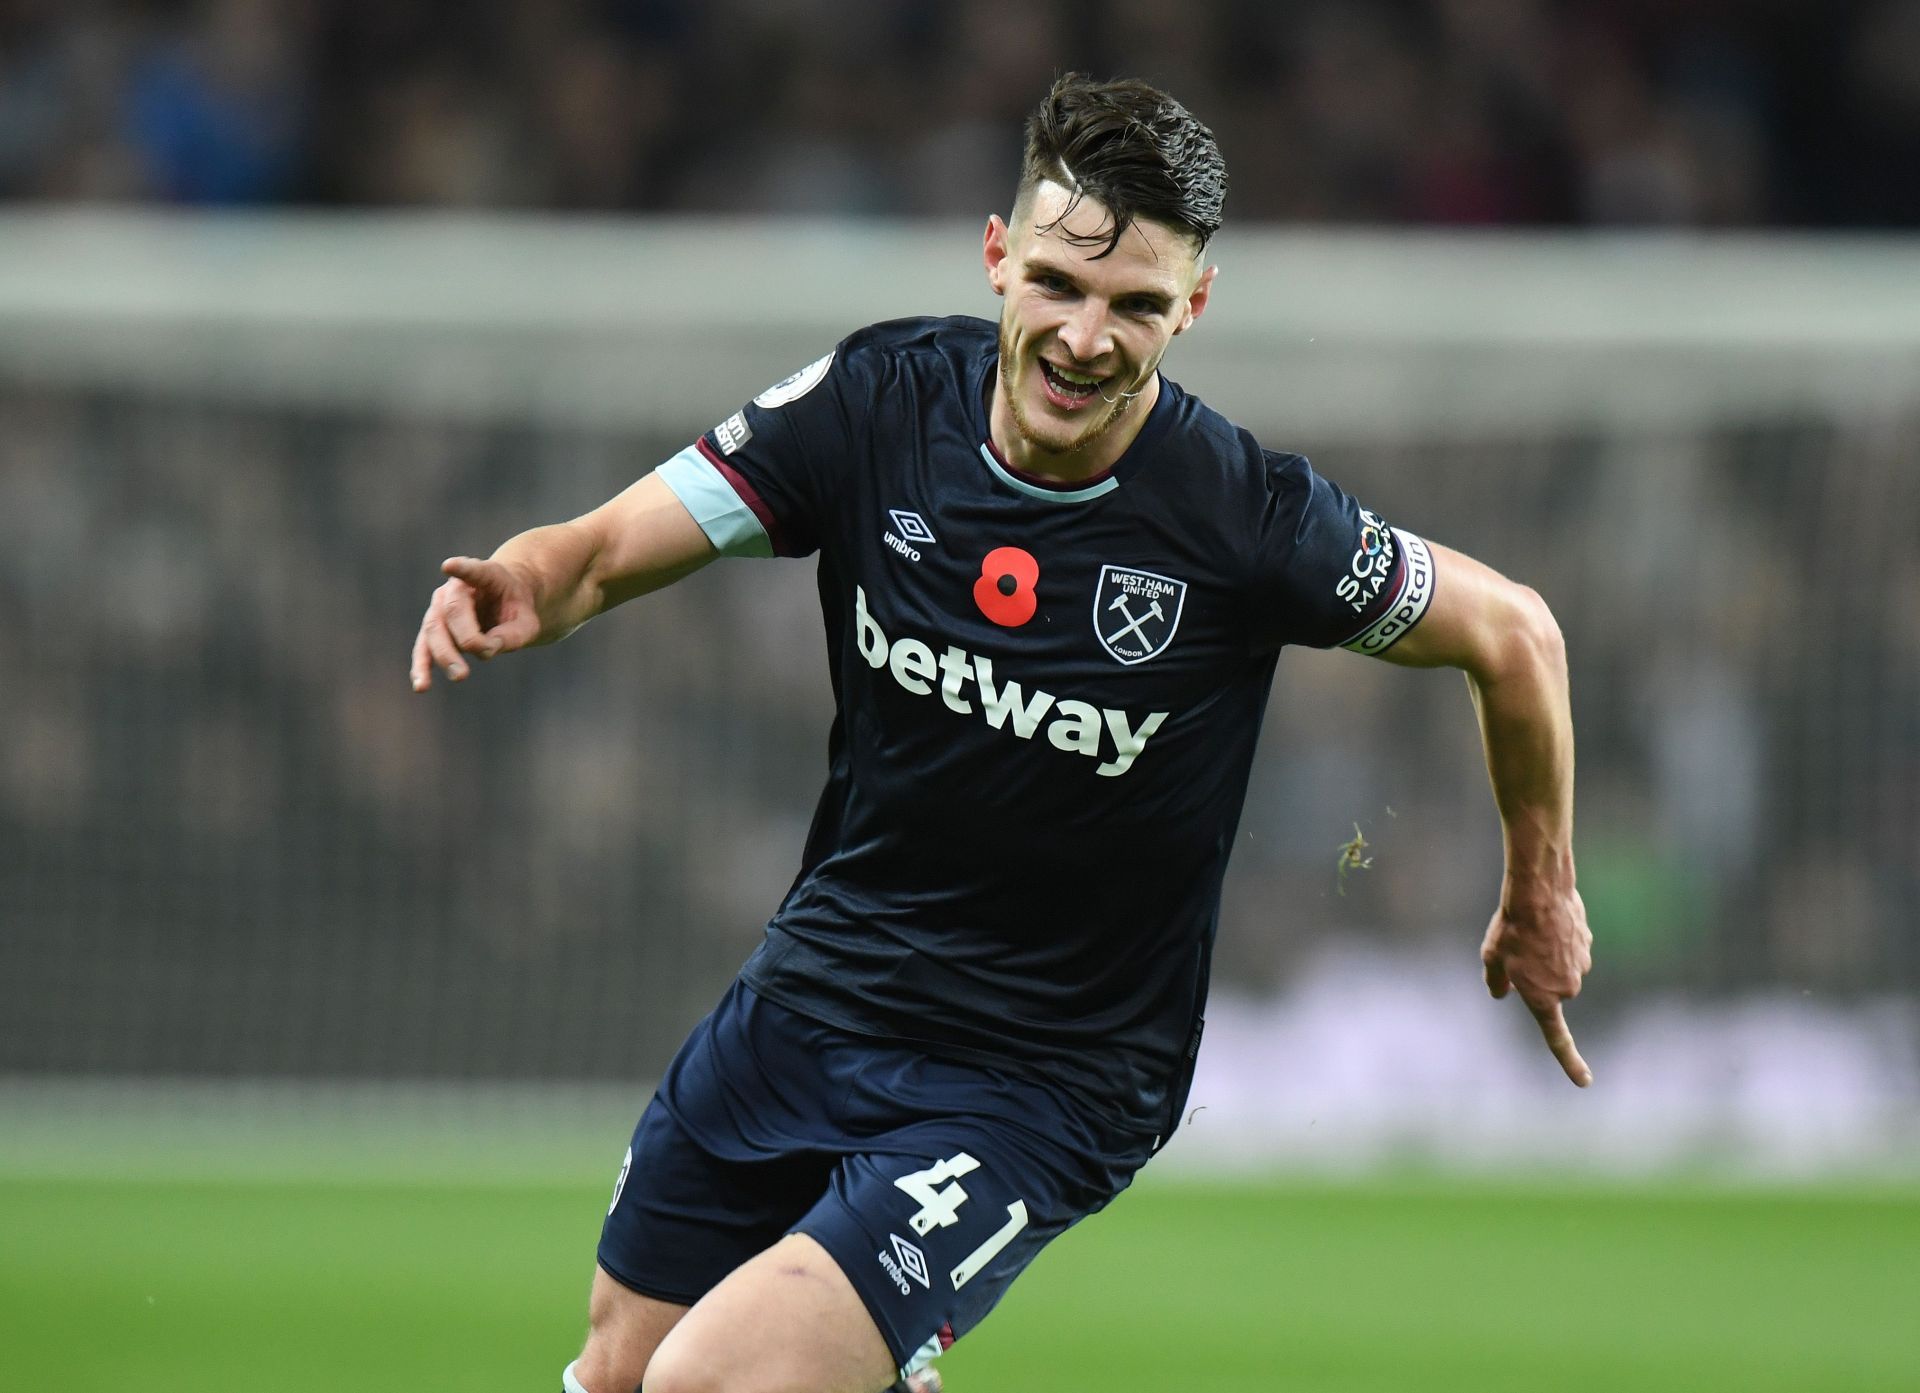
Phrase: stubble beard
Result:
[1029,432]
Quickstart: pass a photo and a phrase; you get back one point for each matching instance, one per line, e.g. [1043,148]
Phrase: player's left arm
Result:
[1503,636]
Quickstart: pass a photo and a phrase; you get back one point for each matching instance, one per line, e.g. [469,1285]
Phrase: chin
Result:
[1040,424]
[1055,441]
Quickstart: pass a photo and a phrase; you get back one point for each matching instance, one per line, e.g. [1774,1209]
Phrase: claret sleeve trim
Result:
[722,502]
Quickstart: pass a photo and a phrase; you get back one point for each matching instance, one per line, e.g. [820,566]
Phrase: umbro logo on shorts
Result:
[911,1258]
[903,1262]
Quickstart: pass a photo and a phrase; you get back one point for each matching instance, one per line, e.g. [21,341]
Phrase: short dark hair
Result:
[1133,148]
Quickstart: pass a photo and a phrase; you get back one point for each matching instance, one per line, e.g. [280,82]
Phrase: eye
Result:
[1142,308]
[1052,282]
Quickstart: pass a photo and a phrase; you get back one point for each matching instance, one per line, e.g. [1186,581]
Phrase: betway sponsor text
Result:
[1078,727]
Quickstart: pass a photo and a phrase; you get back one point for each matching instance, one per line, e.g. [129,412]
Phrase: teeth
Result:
[1078,379]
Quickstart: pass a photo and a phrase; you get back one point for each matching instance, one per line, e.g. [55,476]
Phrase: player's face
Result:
[1082,334]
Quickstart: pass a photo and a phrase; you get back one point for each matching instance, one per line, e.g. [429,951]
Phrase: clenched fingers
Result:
[1493,957]
[456,602]
[440,644]
[1496,973]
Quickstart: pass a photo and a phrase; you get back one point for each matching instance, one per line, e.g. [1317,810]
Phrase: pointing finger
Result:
[1553,1026]
[421,669]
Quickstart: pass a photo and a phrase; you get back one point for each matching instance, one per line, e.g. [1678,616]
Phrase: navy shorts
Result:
[932,1183]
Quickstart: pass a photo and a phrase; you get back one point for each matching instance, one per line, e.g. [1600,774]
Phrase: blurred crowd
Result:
[1664,112]
[231,839]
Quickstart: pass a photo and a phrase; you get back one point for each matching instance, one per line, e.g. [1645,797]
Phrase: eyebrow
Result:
[1162,299]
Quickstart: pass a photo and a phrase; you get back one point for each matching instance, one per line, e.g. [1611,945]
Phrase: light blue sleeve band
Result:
[728,522]
[569,1382]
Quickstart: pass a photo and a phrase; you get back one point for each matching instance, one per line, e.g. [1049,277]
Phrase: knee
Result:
[624,1329]
[681,1366]
[702,1366]
[604,1367]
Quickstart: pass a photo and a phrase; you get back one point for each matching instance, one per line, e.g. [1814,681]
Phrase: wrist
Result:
[1522,892]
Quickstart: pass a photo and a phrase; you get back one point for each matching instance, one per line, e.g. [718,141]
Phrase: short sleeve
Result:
[1330,573]
[762,481]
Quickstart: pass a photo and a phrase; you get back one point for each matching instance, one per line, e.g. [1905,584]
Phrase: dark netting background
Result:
[232,842]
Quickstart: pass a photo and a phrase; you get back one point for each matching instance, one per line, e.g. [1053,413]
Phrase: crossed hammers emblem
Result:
[1132,626]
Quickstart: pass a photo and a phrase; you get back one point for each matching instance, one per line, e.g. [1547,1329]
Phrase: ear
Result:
[994,253]
[1198,300]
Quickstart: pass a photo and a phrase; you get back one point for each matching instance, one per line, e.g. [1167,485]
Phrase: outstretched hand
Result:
[1541,947]
[484,609]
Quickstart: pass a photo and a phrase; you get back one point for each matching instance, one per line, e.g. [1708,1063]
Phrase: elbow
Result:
[1534,637]
[1517,638]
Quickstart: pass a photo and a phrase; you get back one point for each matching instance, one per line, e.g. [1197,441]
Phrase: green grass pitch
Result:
[1387,1287]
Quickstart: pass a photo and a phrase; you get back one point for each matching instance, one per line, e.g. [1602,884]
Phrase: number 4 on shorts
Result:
[940,1207]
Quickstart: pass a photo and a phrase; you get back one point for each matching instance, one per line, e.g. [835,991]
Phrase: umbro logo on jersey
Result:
[1136,612]
[913,533]
[912,527]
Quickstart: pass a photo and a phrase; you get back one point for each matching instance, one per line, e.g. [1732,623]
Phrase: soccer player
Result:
[1054,586]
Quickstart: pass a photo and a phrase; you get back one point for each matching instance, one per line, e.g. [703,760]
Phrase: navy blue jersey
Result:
[1047,701]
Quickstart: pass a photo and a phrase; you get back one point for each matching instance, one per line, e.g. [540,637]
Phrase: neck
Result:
[1070,466]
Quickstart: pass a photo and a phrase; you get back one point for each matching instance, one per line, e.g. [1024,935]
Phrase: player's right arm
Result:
[1337,574]
[543,584]
[1505,639]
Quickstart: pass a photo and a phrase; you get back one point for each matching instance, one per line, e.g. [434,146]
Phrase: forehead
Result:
[1150,253]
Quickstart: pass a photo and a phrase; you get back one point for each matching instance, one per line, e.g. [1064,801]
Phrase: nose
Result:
[1087,334]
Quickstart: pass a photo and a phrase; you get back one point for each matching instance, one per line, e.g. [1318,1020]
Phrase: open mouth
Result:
[1066,388]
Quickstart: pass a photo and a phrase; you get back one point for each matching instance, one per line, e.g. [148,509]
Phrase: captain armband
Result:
[1411,583]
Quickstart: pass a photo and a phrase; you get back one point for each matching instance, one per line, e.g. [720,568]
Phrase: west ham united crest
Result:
[1136,612]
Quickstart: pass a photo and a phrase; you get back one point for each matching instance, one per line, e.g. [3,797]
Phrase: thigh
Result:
[787,1321]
